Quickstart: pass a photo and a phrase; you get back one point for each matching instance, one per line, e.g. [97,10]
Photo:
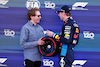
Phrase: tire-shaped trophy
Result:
[50,48]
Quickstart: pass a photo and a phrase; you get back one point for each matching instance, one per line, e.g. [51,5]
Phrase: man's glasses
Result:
[38,15]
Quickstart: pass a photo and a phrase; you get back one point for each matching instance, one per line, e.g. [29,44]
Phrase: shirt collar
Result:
[31,24]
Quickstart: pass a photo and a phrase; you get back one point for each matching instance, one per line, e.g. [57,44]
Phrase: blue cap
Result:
[65,9]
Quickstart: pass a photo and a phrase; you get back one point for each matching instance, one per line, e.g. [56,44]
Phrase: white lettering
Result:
[32,4]
[87,34]
[49,5]
[2,60]
[62,62]
[78,63]
[47,62]
[79,6]
[9,33]
[2,3]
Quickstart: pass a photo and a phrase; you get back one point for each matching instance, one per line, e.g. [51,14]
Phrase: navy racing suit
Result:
[69,37]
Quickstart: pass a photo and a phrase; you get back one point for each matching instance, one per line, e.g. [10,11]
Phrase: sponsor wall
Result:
[13,17]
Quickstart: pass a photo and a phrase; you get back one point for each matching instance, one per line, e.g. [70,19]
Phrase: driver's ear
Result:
[64,13]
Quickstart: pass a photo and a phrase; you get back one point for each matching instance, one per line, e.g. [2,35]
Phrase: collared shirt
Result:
[30,34]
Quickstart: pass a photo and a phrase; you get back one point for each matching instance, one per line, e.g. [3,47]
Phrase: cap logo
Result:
[62,10]
[69,8]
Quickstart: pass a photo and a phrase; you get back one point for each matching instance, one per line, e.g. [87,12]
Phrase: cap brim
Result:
[58,11]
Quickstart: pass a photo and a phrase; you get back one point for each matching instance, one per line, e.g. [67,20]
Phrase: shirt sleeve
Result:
[24,39]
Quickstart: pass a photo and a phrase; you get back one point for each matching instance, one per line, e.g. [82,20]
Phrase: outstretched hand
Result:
[49,33]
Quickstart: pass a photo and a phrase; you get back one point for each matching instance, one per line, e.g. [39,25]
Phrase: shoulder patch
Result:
[75,25]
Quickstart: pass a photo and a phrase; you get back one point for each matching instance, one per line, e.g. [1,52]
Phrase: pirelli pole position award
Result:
[51,47]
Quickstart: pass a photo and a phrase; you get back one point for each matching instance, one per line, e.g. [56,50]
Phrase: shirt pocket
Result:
[32,35]
[41,33]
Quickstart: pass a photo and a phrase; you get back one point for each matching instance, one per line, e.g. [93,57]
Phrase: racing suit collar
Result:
[68,19]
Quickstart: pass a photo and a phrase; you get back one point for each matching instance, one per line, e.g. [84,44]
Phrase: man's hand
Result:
[49,33]
[40,42]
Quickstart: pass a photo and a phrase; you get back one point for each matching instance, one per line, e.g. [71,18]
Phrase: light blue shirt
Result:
[29,36]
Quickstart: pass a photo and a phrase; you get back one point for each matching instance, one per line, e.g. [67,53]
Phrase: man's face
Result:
[60,15]
[37,17]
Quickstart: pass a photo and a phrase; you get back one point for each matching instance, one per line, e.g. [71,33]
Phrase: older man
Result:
[30,38]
